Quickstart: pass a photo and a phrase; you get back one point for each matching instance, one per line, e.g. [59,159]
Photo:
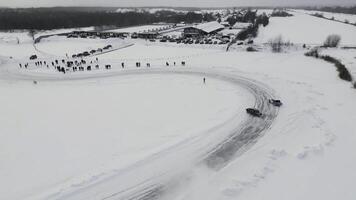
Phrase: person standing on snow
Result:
[204,80]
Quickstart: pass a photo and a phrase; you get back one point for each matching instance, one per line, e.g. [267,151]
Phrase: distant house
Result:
[203,29]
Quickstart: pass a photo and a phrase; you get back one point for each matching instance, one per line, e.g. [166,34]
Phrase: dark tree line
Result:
[344,73]
[337,9]
[280,13]
[249,16]
[249,32]
[252,30]
[47,18]
[346,10]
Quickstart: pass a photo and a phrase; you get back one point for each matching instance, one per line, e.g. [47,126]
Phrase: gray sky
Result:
[187,3]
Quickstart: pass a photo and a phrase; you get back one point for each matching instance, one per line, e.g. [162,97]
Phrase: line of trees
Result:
[346,10]
[337,9]
[46,18]
[343,72]
[252,30]
[280,13]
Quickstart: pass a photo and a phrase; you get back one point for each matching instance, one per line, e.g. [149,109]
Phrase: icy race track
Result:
[149,178]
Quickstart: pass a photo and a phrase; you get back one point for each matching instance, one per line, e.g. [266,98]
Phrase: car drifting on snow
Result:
[275,102]
[254,112]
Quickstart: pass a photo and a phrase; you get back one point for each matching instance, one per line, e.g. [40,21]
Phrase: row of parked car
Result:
[191,41]
[256,113]
[86,53]
[94,35]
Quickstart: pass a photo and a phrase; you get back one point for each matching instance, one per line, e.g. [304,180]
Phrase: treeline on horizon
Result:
[54,18]
[337,9]
[346,10]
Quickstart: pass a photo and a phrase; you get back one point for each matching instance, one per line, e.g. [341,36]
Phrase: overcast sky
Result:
[186,3]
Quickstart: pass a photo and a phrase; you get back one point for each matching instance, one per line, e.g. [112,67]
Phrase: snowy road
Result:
[162,173]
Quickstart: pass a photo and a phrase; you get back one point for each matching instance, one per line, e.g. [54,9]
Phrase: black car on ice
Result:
[254,112]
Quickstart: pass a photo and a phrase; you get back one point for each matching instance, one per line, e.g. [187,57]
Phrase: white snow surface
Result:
[56,132]
[305,29]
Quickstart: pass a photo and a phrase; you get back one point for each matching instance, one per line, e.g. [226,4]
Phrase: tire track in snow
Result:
[146,179]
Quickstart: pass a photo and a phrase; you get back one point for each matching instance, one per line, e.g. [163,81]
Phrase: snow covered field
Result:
[17,44]
[306,29]
[136,132]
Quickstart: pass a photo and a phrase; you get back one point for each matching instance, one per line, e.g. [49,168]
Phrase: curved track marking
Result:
[214,152]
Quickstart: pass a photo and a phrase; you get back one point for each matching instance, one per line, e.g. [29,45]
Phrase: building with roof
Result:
[147,35]
[203,29]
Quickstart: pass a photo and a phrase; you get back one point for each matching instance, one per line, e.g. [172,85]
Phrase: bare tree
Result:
[32,34]
[332,41]
[276,44]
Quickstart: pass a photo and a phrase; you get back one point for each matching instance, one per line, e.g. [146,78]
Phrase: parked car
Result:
[254,112]
[33,57]
[275,102]
[134,35]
